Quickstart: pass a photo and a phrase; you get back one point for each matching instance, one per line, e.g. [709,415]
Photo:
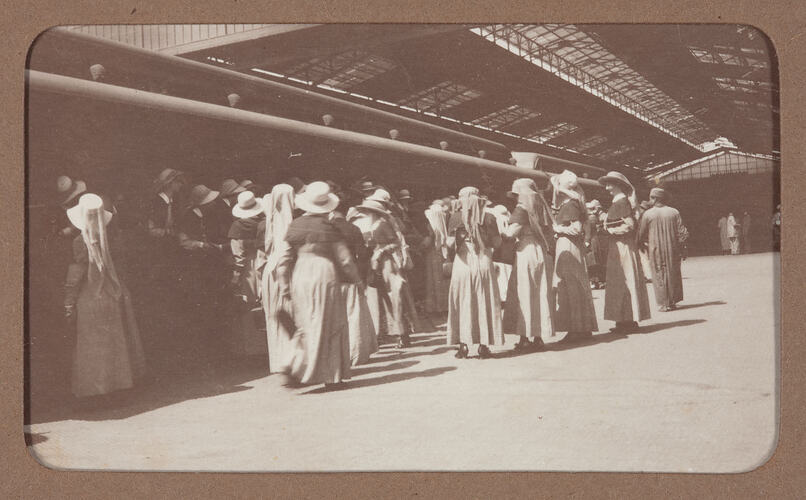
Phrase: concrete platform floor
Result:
[693,390]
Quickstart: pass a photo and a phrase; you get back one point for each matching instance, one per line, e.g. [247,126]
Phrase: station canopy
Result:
[642,99]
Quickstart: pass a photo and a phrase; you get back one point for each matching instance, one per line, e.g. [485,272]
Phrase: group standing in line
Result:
[316,285]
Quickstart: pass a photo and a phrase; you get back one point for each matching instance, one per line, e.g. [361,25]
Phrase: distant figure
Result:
[746,233]
[776,229]
[723,235]
[733,234]
[662,229]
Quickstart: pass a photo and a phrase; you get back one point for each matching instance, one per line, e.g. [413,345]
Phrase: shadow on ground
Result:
[701,304]
[657,327]
[165,387]
[365,369]
[385,379]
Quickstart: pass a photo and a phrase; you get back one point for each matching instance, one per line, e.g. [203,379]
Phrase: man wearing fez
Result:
[662,229]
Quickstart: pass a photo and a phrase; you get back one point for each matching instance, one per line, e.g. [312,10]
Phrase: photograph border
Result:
[784,24]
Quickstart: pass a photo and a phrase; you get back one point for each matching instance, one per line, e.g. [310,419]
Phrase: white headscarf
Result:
[438,220]
[279,214]
[92,221]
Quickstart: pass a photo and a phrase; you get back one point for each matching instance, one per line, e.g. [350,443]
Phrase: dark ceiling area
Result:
[637,98]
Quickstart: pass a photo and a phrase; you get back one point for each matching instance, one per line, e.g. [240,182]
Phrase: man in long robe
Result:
[662,229]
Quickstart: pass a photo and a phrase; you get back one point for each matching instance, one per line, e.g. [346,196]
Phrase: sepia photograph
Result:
[402,247]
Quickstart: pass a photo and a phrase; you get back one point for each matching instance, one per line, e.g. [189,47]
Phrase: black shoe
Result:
[403,342]
[484,352]
[462,352]
[523,345]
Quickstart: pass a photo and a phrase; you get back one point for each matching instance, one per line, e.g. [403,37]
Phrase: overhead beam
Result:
[45,82]
[243,36]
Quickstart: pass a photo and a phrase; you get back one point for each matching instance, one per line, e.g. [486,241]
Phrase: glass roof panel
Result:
[552,132]
[568,52]
[505,118]
[440,97]
[588,143]
[342,71]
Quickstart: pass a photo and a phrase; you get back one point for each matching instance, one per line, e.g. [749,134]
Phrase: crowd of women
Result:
[315,278]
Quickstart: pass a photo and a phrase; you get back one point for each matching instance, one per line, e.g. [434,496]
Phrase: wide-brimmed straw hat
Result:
[521,185]
[202,195]
[88,204]
[567,183]
[317,199]
[618,179]
[230,187]
[382,196]
[69,189]
[247,206]
[167,176]
[374,206]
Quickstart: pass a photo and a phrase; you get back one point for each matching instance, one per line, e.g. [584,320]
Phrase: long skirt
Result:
[575,311]
[108,353]
[363,339]
[386,303]
[436,283]
[320,313]
[278,338]
[474,307]
[626,297]
[502,274]
[246,335]
[529,308]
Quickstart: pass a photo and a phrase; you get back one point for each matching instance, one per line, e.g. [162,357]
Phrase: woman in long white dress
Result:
[436,255]
[474,307]
[575,313]
[279,207]
[529,308]
[315,262]
[108,354]
[626,298]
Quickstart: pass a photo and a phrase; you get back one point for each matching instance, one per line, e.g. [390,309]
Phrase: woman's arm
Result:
[627,225]
[572,229]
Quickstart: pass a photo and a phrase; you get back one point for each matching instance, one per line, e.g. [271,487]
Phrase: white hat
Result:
[247,206]
[568,184]
[381,195]
[88,204]
[317,198]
